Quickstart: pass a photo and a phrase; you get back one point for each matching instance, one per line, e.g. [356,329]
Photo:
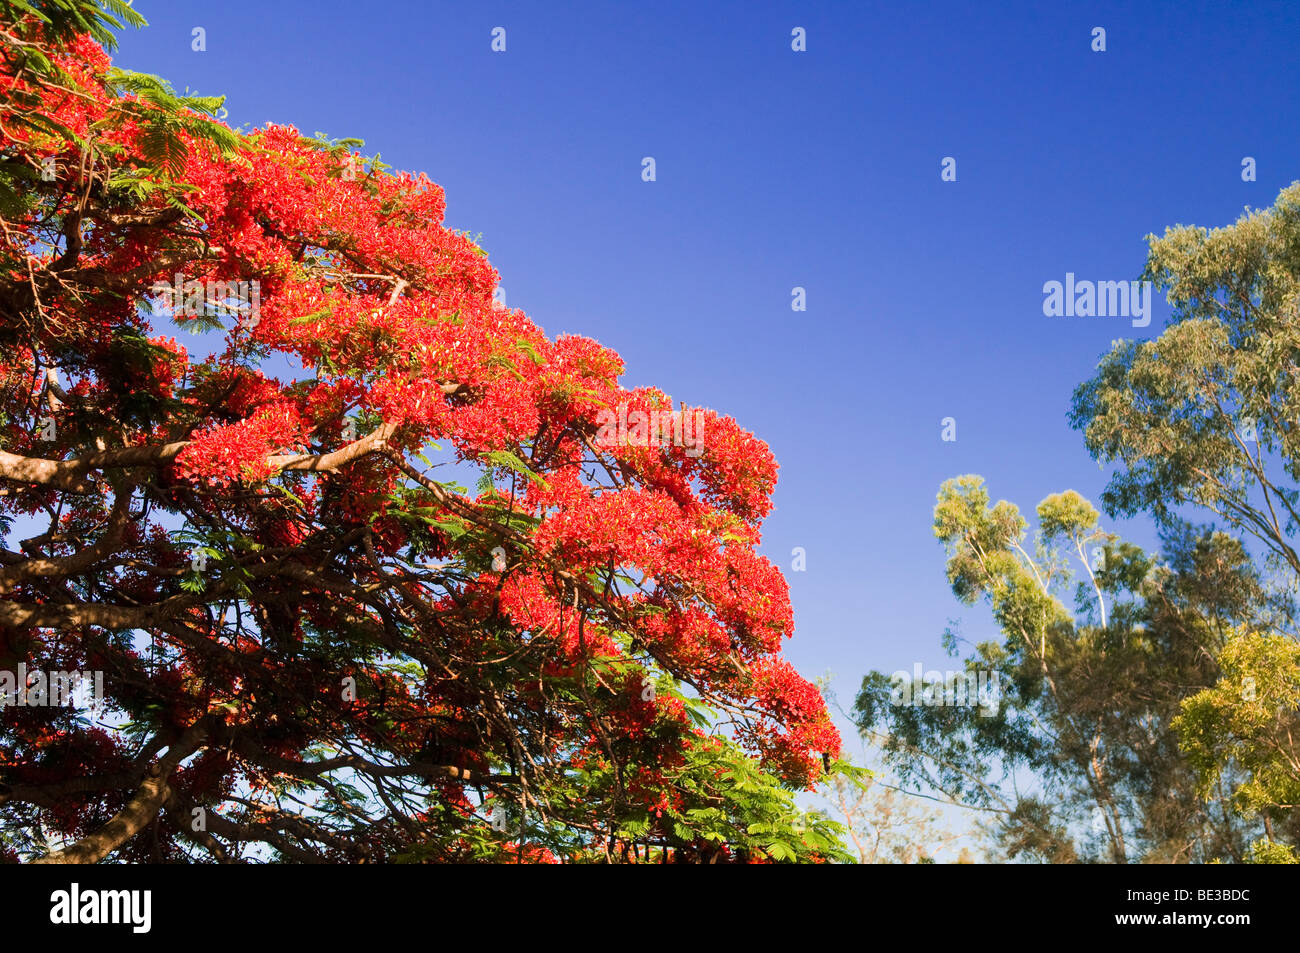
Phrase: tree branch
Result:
[138,812]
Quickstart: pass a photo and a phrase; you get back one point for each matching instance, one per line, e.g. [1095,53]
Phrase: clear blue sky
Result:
[818,169]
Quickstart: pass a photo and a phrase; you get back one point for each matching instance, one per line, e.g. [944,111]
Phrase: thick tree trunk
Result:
[131,820]
[139,812]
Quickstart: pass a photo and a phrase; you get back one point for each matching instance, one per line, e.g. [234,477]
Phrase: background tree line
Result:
[1151,701]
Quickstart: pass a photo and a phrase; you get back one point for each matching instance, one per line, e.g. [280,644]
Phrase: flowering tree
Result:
[314,643]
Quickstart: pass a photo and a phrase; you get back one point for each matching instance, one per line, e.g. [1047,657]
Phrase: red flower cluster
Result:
[543,604]
[239,451]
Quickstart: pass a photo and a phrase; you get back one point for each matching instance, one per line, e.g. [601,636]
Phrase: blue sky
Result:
[818,169]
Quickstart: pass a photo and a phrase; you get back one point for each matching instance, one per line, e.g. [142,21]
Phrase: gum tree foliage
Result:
[1206,413]
[1251,719]
[1161,728]
[1101,642]
[1205,416]
[316,644]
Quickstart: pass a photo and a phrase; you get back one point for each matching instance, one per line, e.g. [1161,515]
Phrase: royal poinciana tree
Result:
[314,644]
